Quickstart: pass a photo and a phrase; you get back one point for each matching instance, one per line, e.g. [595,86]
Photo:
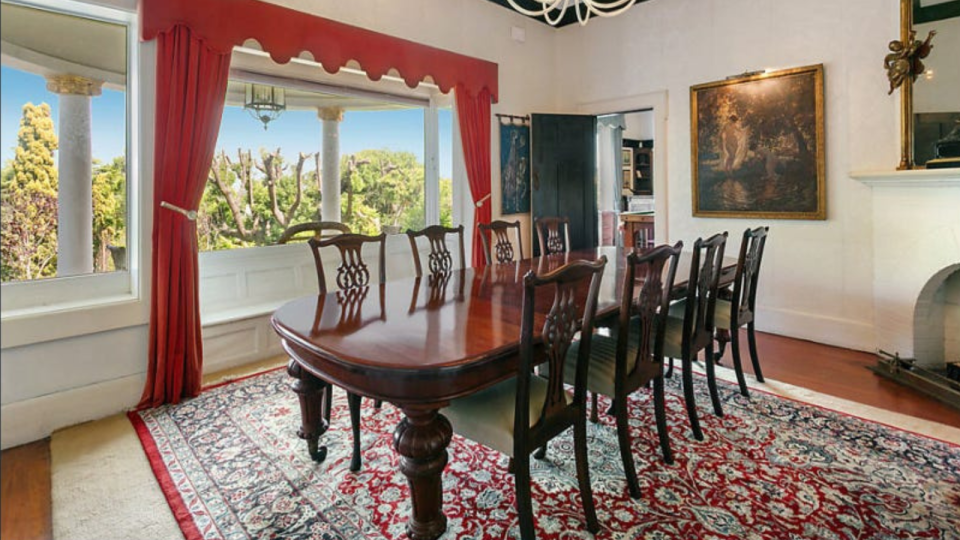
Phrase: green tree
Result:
[109,212]
[28,194]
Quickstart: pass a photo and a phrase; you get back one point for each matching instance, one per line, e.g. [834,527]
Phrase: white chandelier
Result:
[584,8]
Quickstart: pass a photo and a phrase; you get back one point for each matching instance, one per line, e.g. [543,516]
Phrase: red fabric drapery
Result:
[284,33]
[191,88]
[473,112]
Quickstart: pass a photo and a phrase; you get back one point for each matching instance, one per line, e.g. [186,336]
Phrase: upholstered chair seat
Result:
[489,415]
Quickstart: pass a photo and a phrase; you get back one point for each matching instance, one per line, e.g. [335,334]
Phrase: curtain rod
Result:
[513,118]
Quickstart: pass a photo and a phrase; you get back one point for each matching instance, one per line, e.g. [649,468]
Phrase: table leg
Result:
[310,390]
[421,439]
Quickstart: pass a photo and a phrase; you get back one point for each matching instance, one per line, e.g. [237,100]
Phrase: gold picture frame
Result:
[757,146]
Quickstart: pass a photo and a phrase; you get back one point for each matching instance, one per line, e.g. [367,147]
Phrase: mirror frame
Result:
[908,10]
[906,94]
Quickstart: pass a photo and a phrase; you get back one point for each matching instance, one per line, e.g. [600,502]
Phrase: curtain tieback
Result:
[483,200]
[189,214]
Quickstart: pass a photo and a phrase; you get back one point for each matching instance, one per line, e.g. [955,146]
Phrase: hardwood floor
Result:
[25,495]
[25,492]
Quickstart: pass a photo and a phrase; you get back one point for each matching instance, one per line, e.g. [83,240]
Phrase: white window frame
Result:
[56,308]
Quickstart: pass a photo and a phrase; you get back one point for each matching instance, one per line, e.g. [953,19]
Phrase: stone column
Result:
[75,162]
[330,176]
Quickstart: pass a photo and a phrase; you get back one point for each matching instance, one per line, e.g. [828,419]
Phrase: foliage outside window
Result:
[252,196]
[30,177]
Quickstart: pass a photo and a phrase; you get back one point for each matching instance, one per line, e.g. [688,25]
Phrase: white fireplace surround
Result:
[916,247]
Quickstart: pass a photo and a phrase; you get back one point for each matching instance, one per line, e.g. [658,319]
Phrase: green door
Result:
[564,154]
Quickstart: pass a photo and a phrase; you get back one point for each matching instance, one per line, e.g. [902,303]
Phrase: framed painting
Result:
[514,169]
[757,146]
[626,157]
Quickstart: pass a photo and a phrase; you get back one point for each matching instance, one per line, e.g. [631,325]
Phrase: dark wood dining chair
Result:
[439,258]
[632,358]
[520,415]
[740,308]
[690,323]
[553,233]
[352,274]
[502,248]
[312,229]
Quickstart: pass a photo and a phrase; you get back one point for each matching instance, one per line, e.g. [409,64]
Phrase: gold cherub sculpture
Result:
[904,59]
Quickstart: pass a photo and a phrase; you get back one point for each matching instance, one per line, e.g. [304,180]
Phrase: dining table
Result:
[419,343]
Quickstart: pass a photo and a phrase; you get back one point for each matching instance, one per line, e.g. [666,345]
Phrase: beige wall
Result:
[817,281]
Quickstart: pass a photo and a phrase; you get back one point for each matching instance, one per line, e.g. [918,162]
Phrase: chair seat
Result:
[488,416]
[673,334]
[602,370]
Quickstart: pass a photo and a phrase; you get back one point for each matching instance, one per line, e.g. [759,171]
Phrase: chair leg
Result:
[626,452]
[712,380]
[669,369]
[377,403]
[327,403]
[541,452]
[354,401]
[521,477]
[723,337]
[752,339]
[690,399]
[583,474]
[737,364]
[594,417]
[512,466]
[660,411]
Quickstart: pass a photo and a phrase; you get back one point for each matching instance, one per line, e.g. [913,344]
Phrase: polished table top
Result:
[430,329]
[418,343]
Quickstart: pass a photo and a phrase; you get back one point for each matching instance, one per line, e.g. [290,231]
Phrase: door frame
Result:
[658,102]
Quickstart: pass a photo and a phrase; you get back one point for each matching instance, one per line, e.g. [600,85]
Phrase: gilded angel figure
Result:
[904,60]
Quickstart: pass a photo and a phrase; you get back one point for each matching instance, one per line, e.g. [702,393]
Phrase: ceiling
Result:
[570,17]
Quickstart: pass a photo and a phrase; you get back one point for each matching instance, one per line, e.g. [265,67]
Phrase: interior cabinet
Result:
[640,167]
[637,226]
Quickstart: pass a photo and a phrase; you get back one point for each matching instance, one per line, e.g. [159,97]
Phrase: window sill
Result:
[47,323]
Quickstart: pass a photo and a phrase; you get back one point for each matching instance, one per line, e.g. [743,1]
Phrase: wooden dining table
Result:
[419,343]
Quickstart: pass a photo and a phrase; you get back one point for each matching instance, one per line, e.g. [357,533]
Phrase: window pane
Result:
[446,167]
[63,184]
[267,176]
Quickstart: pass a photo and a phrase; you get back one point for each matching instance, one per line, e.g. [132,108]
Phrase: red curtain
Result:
[473,112]
[191,88]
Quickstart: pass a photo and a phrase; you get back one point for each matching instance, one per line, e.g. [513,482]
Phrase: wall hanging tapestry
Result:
[514,164]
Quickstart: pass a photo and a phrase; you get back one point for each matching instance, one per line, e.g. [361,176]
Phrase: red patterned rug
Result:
[231,466]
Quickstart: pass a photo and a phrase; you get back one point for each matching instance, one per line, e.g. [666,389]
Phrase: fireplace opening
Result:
[935,368]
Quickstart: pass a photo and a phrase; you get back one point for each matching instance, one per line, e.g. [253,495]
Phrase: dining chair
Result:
[439,259]
[312,229]
[552,239]
[521,414]
[497,233]
[740,308]
[352,274]
[632,358]
[690,323]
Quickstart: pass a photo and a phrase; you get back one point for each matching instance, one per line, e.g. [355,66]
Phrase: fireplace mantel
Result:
[912,178]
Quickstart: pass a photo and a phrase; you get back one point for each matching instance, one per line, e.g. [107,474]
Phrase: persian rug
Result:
[231,466]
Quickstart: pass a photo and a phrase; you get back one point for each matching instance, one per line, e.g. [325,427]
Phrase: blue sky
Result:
[293,132]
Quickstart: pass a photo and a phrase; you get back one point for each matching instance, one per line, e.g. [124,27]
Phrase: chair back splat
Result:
[552,238]
[701,295]
[352,271]
[646,314]
[748,270]
[497,233]
[568,315]
[439,259]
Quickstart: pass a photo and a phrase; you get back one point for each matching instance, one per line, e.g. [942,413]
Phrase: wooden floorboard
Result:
[25,510]
[25,493]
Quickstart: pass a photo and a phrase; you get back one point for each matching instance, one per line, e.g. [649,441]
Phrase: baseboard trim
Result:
[845,333]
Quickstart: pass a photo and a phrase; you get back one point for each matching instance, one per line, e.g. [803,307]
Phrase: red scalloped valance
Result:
[285,33]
